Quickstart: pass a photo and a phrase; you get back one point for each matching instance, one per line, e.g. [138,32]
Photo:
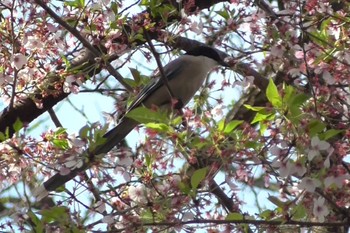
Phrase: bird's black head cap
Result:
[208,52]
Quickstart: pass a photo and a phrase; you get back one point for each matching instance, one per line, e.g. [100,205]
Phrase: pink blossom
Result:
[299,54]
[100,207]
[247,82]
[277,50]
[73,162]
[4,79]
[337,180]
[18,60]
[299,169]
[328,78]
[282,166]
[309,184]
[138,194]
[275,150]
[327,162]
[217,110]
[187,216]
[109,219]
[320,210]
[124,157]
[197,27]
[229,182]
[34,43]
[123,172]
[70,86]
[316,146]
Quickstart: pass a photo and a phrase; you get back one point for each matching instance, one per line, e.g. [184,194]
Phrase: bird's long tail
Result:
[113,138]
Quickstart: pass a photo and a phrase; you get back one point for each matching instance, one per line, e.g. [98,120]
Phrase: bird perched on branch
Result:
[180,80]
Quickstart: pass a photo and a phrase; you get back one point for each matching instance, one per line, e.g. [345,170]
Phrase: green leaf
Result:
[234,216]
[75,3]
[224,14]
[185,188]
[262,128]
[255,109]
[198,143]
[60,189]
[39,227]
[2,136]
[278,202]
[298,99]
[231,126]
[18,125]
[56,213]
[298,212]
[145,115]
[272,95]
[135,74]
[61,143]
[159,127]
[198,176]
[114,7]
[316,126]
[330,133]
[294,104]
[221,125]
[261,117]
[83,132]
[289,92]
[148,160]
[59,131]
[177,120]
[130,82]
[267,214]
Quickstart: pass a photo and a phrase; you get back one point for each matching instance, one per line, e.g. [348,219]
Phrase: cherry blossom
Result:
[291,52]
[34,43]
[316,147]
[69,84]
[320,210]
[18,60]
[100,206]
[138,194]
[309,184]
[338,181]
[4,79]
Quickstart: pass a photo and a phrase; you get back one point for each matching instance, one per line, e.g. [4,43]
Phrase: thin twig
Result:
[54,118]
[159,63]
[86,44]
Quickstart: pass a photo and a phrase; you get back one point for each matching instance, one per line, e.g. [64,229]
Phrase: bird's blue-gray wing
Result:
[119,132]
[171,70]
